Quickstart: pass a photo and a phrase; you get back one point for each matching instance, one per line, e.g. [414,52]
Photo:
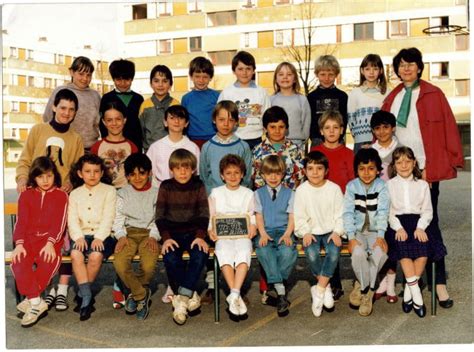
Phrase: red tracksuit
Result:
[41,218]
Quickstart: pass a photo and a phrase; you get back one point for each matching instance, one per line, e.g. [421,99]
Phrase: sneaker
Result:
[242,306]
[34,314]
[194,302]
[130,305]
[119,299]
[233,302]
[143,306]
[317,305]
[328,300]
[366,303]
[355,296]
[337,293]
[168,296]
[23,306]
[282,305]
[61,303]
[180,312]
[208,297]
[50,299]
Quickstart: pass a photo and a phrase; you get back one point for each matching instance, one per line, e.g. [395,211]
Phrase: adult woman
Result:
[426,124]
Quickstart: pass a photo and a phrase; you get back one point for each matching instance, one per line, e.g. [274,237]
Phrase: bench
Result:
[11,209]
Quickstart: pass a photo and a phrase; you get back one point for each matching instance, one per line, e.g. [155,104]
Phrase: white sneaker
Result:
[180,312]
[242,306]
[194,302]
[34,313]
[23,306]
[317,305]
[233,302]
[328,300]
[168,296]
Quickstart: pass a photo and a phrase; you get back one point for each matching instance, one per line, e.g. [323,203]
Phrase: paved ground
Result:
[388,325]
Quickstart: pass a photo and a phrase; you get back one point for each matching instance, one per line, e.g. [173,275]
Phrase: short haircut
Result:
[365,156]
[382,117]
[182,157]
[316,157]
[66,94]
[201,64]
[137,161]
[124,69]
[232,160]
[332,115]
[273,164]
[327,62]
[177,110]
[88,159]
[408,55]
[164,71]
[114,105]
[296,85]
[275,114]
[228,106]
[40,166]
[82,64]
[408,152]
[244,57]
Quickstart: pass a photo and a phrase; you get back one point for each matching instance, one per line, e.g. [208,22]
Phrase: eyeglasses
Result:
[407,65]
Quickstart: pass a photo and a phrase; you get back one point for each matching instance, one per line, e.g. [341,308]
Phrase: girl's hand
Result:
[97,245]
[169,245]
[21,185]
[48,252]
[17,253]
[121,244]
[352,244]
[67,187]
[152,244]
[401,235]
[421,235]
[336,239]
[381,243]
[252,231]
[286,239]
[212,235]
[308,239]
[264,238]
[202,245]
[80,244]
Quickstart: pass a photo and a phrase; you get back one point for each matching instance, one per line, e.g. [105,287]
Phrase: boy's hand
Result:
[17,253]
[286,239]
[67,187]
[264,238]
[80,244]
[336,239]
[252,231]
[308,239]
[352,244]
[48,252]
[21,184]
[421,235]
[381,243]
[169,245]
[212,235]
[97,245]
[202,245]
[152,244]
[401,235]
[121,243]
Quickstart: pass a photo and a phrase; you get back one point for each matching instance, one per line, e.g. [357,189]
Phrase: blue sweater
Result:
[275,214]
[200,104]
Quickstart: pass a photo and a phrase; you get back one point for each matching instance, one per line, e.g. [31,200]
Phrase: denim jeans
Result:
[179,274]
[318,265]
[276,259]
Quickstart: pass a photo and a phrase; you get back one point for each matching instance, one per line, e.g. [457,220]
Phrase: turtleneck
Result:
[59,127]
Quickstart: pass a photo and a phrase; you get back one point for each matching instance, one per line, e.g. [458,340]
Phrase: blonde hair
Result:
[327,62]
[292,68]
[182,157]
[273,164]
[333,115]
[397,154]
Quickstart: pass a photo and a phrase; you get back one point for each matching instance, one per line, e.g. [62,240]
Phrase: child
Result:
[366,99]
[234,255]
[326,96]
[176,122]
[182,216]
[366,207]
[275,124]
[152,110]
[408,236]
[200,101]
[114,148]
[275,247]
[86,122]
[136,233]
[250,99]
[288,96]
[38,237]
[91,214]
[318,220]
[122,73]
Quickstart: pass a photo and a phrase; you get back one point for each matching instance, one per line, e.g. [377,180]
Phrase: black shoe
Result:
[337,293]
[85,313]
[208,297]
[270,297]
[446,304]
[407,306]
[420,311]
[282,306]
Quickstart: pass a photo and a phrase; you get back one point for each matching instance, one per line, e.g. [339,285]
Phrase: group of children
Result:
[203,159]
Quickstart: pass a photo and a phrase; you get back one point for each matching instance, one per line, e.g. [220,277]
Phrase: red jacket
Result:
[438,130]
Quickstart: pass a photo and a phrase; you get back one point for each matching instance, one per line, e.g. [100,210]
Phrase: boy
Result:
[366,209]
[318,221]
[275,247]
[152,110]
[275,124]
[136,233]
[114,148]
[182,217]
[326,96]
[176,123]
[122,73]
[200,101]
[250,99]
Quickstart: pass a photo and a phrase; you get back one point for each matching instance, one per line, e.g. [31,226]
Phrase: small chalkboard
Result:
[231,226]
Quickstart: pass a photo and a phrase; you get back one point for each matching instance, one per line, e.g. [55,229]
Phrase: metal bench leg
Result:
[433,288]
[216,290]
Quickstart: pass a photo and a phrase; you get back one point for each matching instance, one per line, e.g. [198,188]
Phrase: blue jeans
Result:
[318,265]
[277,260]
[181,277]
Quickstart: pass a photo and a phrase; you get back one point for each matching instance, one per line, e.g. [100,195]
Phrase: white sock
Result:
[391,284]
[62,289]
[321,289]
[407,294]
[234,293]
[412,283]
[52,292]
[35,301]
[210,280]
[383,285]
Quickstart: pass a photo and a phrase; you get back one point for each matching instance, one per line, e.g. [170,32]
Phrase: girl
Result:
[366,99]
[287,95]
[38,237]
[91,214]
[409,236]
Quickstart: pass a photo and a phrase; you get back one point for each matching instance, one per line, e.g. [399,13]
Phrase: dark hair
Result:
[275,114]
[382,117]
[164,70]
[40,166]
[114,105]
[228,106]
[397,154]
[137,161]
[244,57]
[365,156]
[376,61]
[124,69]
[408,55]
[82,64]
[201,64]
[182,157]
[177,110]
[232,160]
[316,157]
[93,159]
[66,94]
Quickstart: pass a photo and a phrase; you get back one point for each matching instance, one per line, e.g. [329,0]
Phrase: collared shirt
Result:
[258,202]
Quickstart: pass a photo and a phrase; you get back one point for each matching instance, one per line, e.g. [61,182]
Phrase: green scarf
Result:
[404,111]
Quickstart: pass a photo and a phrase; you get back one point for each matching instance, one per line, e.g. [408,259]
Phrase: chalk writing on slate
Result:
[231,226]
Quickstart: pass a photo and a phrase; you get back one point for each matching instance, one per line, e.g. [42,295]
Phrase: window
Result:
[195,6]
[29,54]
[195,44]
[250,40]
[364,31]
[165,8]
[221,57]
[226,18]
[139,11]
[31,81]
[462,87]
[48,83]
[284,37]
[282,2]
[462,42]
[439,70]
[13,52]
[59,59]
[165,46]
[399,28]
[249,4]
[15,106]
[31,107]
